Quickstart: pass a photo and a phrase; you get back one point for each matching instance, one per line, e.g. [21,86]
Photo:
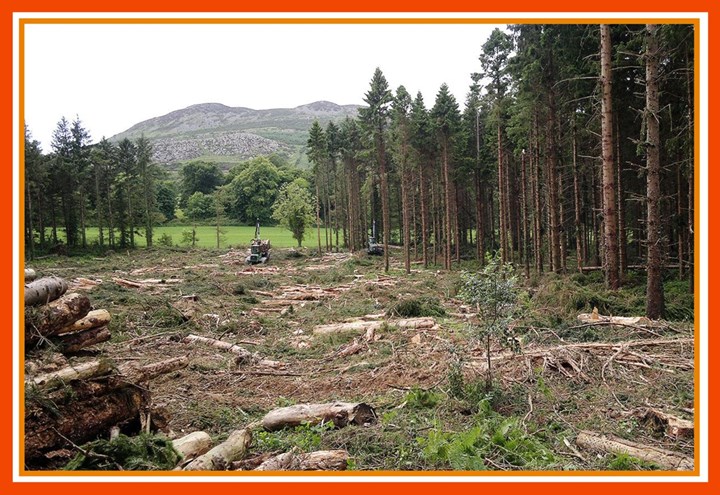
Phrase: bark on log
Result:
[322,460]
[78,421]
[193,445]
[30,275]
[340,413]
[94,319]
[219,457]
[49,319]
[83,371]
[138,374]
[243,355]
[664,458]
[73,342]
[44,290]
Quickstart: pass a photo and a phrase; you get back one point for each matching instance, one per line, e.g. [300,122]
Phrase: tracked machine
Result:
[373,247]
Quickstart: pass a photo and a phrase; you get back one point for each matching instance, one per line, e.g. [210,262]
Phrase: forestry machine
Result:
[373,247]
[259,249]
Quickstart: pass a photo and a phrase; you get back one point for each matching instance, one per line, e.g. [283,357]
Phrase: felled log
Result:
[340,413]
[193,445]
[83,371]
[322,460]
[664,458]
[243,355]
[146,283]
[95,318]
[138,374]
[49,429]
[219,457]
[671,425]
[73,342]
[30,274]
[44,290]
[51,318]
[126,373]
[598,319]
[364,326]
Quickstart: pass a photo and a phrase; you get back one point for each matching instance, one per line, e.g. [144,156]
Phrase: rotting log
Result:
[322,460]
[671,425]
[73,342]
[46,320]
[340,413]
[666,459]
[219,457]
[192,445]
[78,421]
[44,290]
[243,355]
[95,318]
[30,275]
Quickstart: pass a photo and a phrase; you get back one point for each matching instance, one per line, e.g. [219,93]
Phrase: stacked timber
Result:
[66,320]
[83,401]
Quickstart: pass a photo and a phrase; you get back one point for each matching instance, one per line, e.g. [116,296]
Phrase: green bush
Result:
[143,452]
[417,307]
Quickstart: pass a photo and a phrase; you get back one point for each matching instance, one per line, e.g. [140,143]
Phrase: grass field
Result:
[230,236]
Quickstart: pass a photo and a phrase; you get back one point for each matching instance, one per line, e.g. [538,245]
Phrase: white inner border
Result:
[702,120]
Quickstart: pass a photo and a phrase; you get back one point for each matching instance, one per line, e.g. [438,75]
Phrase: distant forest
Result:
[573,150]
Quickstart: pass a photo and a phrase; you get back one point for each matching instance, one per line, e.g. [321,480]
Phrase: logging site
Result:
[182,359]
[501,275]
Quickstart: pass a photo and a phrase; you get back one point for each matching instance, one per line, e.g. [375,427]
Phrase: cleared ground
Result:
[427,385]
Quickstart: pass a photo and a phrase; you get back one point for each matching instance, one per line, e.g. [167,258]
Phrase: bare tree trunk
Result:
[537,237]
[554,184]
[447,263]
[384,201]
[612,277]
[501,199]
[622,231]
[424,213]
[578,201]
[655,294]
[480,234]
[525,215]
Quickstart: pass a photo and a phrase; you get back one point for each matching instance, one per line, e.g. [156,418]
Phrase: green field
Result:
[231,236]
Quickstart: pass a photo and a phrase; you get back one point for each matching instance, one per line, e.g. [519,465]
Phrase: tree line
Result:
[118,191]
[574,147]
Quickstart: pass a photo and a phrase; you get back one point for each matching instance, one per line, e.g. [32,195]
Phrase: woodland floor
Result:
[427,386]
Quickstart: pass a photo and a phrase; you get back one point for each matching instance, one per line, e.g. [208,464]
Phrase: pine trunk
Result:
[612,278]
[655,294]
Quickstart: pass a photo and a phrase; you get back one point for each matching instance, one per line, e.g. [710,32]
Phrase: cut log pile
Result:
[595,318]
[148,283]
[63,319]
[78,403]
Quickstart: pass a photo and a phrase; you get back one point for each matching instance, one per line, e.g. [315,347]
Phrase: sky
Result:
[113,76]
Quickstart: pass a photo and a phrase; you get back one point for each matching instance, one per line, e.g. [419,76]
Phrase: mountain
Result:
[228,135]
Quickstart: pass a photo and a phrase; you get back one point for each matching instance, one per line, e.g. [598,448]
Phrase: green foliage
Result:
[165,240]
[294,208]
[200,206]
[250,195]
[492,441]
[143,452]
[417,307]
[198,176]
[418,398]
[626,462]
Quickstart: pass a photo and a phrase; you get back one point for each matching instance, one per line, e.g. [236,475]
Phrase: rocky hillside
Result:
[227,135]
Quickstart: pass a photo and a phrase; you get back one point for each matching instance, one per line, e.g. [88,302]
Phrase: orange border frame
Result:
[177,484]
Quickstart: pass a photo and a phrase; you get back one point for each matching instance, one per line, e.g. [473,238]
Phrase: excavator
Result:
[259,249]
